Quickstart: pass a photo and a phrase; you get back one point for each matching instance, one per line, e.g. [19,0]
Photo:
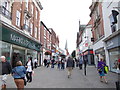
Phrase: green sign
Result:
[9,35]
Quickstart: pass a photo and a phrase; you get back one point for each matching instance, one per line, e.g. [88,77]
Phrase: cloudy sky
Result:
[63,16]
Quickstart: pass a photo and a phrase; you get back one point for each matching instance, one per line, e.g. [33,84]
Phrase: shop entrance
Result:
[18,55]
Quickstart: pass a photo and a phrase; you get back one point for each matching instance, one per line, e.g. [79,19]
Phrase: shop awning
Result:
[48,53]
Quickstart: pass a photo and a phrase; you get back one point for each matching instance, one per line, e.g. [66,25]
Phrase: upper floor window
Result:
[5,4]
[113,26]
[35,32]
[32,8]
[44,32]
[36,14]
[31,28]
[27,4]
[18,18]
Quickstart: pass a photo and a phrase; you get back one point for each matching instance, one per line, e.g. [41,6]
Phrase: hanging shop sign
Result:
[9,35]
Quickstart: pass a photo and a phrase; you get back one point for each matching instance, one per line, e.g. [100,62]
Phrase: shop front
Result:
[99,53]
[17,46]
[90,56]
[113,47]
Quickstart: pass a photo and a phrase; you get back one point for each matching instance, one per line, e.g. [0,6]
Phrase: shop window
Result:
[114,54]
[5,50]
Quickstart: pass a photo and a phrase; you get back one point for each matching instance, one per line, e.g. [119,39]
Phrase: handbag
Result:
[25,81]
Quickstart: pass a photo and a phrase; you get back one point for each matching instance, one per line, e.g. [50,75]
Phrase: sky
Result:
[63,16]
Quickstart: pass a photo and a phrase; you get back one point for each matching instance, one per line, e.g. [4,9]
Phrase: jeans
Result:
[29,76]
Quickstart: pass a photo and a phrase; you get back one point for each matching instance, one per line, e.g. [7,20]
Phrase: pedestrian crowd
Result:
[21,74]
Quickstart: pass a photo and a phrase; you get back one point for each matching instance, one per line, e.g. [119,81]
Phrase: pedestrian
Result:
[48,63]
[58,62]
[35,63]
[29,67]
[80,62]
[62,64]
[85,64]
[52,63]
[18,74]
[45,62]
[69,66]
[76,61]
[100,68]
[5,70]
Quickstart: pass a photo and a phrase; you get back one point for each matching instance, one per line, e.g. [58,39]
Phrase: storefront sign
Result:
[114,42]
[8,35]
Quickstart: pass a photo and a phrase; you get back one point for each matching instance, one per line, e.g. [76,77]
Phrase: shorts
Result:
[102,73]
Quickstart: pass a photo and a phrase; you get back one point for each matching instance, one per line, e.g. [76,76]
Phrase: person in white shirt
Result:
[29,67]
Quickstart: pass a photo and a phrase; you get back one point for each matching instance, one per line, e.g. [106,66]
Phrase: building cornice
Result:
[112,35]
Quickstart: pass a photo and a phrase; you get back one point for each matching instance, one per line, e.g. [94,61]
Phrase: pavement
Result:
[54,78]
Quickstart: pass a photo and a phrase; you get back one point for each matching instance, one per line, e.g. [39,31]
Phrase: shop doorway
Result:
[18,55]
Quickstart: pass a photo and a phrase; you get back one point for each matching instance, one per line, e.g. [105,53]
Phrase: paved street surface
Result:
[54,78]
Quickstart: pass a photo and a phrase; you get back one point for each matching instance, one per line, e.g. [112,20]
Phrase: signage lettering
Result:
[22,41]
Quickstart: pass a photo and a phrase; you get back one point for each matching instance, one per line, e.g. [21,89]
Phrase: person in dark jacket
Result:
[29,66]
[45,62]
[85,64]
[69,66]
[100,68]
[62,64]
[80,63]
[5,70]
[52,63]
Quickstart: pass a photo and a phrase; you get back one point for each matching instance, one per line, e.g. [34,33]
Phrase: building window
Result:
[27,4]
[18,18]
[113,26]
[32,8]
[5,4]
[44,32]
[35,32]
[36,14]
[31,28]
[44,42]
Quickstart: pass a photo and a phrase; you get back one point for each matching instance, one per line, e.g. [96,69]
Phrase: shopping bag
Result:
[106,69]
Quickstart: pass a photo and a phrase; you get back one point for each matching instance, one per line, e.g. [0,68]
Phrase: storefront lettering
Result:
[22,41]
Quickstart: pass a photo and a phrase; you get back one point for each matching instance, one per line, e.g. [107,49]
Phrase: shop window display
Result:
[5,50]
[114,58]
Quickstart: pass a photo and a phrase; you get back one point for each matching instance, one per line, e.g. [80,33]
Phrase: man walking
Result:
[70,66]
[5,69]
[85,64]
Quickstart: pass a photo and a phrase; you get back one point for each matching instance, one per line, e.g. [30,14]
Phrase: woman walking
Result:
[18,74]
[29,66]
[101,65]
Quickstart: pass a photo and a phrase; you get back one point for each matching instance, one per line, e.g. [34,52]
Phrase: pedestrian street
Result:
[54,78]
